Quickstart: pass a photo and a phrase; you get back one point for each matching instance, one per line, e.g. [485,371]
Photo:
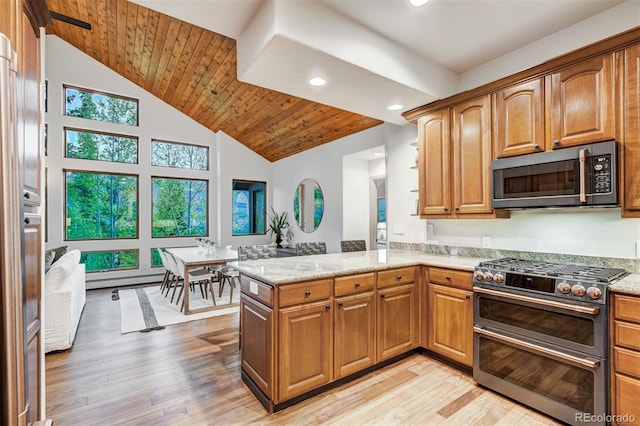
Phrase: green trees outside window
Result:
[100,146]
[100,261]
[100,206]
[94,105]
[185,156]
[180,207]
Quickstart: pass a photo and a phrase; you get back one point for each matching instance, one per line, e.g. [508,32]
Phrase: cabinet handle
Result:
[357,285]
[327,306]
[27,221]
[446,209]
[556,143]
[448,278]
[399,277]
[382,295]
[536,147]
[26,195]
[340,304]
[467,296]
[457,209]
[307,293]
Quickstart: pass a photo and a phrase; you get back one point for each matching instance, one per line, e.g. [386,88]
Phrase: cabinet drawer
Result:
[627,308]
[396,276]
[450,277]
[626,361]
[291,294]
[354,284]
[257,290]
[627,335]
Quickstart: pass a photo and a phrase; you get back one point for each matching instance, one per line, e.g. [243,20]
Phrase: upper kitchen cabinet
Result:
[518,119]
[580,102]
[630,180]
[434,163]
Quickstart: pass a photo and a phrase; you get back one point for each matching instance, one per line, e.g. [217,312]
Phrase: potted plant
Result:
[278,223]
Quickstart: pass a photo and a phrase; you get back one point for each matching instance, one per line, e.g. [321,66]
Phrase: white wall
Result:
[324,164]
[228,159]
[355,199]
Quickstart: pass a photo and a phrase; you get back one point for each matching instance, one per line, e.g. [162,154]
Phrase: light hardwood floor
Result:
[189,374]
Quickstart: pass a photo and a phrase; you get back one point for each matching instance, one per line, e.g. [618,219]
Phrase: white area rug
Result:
[141,302]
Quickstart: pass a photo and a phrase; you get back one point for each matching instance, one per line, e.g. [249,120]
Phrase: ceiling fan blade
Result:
[70,20]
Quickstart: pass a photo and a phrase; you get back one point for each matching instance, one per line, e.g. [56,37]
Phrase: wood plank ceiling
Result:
[194,70]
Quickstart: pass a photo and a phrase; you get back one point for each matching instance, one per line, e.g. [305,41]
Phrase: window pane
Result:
[179,207]
[156,261]
[101,146]
[100,106]
[382,209]
[169,154]
[101,206]
[248,207]
[98,261]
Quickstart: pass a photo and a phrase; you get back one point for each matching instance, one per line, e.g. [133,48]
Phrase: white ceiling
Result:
[377,52]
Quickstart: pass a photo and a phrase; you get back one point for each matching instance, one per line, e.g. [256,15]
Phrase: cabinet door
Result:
[519,122]
[582,108]
[256,343]
[397,321]
[625,403]
[472,156]
[355,334]
[434,163]
[305,349]
[631,177]
[451,323]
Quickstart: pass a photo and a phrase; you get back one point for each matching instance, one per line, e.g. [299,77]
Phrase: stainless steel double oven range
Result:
[541,335]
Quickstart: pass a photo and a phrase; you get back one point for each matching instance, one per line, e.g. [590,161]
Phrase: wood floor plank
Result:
[189,374]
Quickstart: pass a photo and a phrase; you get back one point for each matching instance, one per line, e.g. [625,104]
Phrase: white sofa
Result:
[65,296]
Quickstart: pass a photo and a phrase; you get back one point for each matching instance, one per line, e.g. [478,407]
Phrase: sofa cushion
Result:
[57,252]
[61,269]
[49,255]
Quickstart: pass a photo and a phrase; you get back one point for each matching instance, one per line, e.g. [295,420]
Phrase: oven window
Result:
[569,385]
[542,180]
[561,326]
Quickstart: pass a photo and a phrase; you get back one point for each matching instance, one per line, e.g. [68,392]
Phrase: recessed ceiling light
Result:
[378,154]
[394,107]
[418,3]
[317,81]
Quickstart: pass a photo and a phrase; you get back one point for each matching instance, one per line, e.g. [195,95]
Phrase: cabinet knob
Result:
[537,147]
[27,221]
[307,293]
[467,297]
[399,277]
[446,209]
[382,295]
[448,278]
[556,143]
[340,304]
[26,195]
[357,285]
[457,209]
[327,306]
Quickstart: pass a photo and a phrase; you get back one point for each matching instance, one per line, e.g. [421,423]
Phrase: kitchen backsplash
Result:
[630,265]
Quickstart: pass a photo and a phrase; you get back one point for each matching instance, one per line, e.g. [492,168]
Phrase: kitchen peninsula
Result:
[311,322]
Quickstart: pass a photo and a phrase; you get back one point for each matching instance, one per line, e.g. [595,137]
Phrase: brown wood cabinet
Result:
[397,320]
[580,102]
[630,178]
[450,314]
[304,348]
[256,342]
[454,161]
[625,359]
[355,333]
[518,125]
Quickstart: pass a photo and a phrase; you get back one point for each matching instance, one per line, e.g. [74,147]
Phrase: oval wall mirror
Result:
[308,205]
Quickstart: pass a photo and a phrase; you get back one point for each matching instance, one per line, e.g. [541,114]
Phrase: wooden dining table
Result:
[195,258]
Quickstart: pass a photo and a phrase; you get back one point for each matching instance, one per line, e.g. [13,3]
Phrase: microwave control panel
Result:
[601,174]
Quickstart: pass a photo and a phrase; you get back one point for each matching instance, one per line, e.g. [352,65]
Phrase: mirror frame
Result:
[305,183]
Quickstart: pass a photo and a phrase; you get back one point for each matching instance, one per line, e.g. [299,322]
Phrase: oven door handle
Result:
[589,310]
[589,363]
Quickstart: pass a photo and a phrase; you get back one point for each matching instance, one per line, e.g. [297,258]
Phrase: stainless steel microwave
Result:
[581,176]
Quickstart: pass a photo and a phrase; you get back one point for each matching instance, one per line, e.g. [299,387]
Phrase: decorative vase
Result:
[279,240]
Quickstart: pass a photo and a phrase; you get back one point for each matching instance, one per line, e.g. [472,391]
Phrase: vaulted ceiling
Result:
[194,70]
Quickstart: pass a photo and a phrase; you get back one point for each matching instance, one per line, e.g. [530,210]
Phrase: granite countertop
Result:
[628,285]
[284,270]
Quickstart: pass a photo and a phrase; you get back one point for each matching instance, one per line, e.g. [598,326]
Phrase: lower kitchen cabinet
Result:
[304,347]
[450,315]
[397,320]
[355,333]
[625,356]
[256,342]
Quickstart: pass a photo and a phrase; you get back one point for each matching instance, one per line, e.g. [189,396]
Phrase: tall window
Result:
[91,145]
[100,205]
[180,207]
[99,106]
[248,207]
[185,156]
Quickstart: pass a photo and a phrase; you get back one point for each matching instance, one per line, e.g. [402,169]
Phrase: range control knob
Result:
[564,287]
[578,290]
[498,278]
[488,276]
[594,293]
[479,275]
